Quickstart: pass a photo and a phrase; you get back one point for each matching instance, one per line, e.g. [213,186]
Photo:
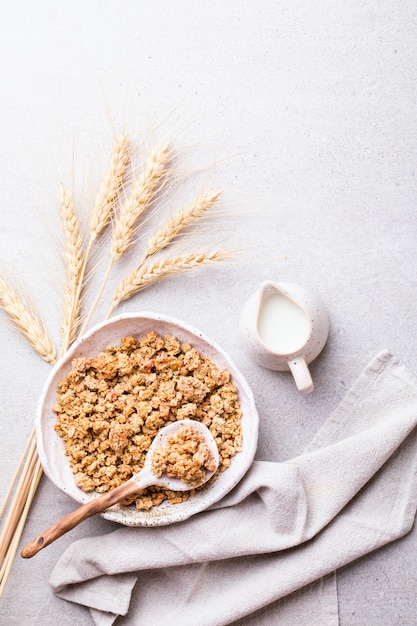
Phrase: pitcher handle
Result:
[301,375]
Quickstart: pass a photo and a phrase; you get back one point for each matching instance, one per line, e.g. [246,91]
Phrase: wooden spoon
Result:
[138,482]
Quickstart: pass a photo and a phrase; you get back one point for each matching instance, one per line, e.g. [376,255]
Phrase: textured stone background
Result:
[305,114]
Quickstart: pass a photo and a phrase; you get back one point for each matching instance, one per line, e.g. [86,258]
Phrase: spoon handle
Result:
[74,518]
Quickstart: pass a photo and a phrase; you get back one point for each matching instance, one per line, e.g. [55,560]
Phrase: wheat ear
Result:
[110,186]
[178,222]
[146,275]
[74,260]
[142,193]
[106,198]
[27,321]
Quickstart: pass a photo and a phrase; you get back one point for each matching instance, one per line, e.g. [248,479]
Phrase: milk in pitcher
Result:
[283,326]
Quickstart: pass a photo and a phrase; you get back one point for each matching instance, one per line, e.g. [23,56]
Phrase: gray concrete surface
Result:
[304,113]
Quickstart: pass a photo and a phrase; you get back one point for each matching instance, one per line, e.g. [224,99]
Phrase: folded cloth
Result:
[284,527]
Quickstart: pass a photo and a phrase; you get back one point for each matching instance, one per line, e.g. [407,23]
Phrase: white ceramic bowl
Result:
[51,448]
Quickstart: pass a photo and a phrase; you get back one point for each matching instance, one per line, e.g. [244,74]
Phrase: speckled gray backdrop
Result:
[305,114]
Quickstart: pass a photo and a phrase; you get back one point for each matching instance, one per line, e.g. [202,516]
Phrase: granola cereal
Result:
[186,456]
[110,407]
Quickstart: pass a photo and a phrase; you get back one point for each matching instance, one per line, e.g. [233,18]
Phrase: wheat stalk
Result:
[18,513]
[26,320]
[103,207]
[19,504]
[17,473]
[146,275]
[178,222]
[110,186]
[142,193]
[74,268]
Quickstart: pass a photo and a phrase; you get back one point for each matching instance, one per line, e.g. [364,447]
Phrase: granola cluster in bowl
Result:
[116,387]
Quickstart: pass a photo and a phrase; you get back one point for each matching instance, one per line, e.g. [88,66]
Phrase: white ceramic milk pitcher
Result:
[284,327]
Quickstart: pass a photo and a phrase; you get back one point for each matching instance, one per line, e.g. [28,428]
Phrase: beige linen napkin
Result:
[284,527]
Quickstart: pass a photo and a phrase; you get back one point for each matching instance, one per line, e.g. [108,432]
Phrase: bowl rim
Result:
[165,513]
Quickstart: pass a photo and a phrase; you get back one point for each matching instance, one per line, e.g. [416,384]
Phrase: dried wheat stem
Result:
[16,474]
[142,193]
[18,501]
[178,222]
[98,296]
[146,275]
[75,262]
[11,552]
[27,321]
[110,187]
